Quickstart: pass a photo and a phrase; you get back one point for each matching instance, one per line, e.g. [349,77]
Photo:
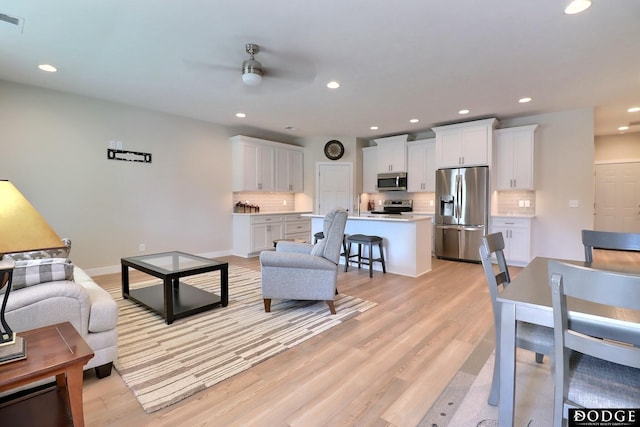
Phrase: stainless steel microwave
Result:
[392,181]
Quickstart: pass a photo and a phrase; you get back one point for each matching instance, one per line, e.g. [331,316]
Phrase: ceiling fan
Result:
[252,69]
[286,69]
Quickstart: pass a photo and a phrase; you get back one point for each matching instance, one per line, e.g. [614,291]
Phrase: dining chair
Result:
[608,240]
[538,339]
[593,372]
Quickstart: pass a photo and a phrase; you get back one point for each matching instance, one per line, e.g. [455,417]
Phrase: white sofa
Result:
[80,301]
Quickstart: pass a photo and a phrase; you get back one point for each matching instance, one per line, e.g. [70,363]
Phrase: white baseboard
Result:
[99,271]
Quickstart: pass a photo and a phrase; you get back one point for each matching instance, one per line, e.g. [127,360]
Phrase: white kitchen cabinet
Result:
[264,232]
[465,144]
[261,165]
[369,169]
[297,227]
[421,166]
[517,234]
[514,151]
[392,153]
[289,167]
[253,233]
[253,164]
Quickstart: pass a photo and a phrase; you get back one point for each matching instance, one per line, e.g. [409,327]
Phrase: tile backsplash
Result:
[268,202]
[422,202]
[514,203]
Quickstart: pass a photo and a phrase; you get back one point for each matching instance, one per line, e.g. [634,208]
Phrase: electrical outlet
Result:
[143,247]
[573,203]
[527,203]
[284,203]
[430,203]
[521,203]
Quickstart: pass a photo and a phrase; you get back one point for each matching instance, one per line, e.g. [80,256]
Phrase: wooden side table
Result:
[56,350]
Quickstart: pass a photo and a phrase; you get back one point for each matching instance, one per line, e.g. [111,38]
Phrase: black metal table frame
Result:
[178,299]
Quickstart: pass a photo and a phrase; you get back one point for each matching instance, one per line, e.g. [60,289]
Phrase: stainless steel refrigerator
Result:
[462,198]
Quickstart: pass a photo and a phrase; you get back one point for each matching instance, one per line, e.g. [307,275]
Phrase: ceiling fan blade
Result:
[291,66]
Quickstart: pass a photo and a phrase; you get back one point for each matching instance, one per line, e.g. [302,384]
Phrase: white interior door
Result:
[617,197]
[334,186]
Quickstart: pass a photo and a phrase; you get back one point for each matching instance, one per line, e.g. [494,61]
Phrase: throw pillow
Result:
[31,272]
[47,253]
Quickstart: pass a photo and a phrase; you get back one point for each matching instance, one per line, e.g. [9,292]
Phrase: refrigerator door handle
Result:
[458,195]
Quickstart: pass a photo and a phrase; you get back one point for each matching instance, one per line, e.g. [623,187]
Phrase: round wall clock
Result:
[334,149]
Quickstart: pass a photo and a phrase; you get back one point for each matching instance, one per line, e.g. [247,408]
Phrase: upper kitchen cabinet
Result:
[289,167]
[255,161]
[464,144]
[514,153]
[392,153]
[369,169]
[421,170]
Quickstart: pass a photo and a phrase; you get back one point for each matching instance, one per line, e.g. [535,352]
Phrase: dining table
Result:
[528,299]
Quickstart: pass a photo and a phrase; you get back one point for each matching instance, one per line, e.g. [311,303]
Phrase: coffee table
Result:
[56,350]
[174,299]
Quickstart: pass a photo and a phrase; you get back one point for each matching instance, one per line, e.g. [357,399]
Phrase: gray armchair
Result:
[301,271]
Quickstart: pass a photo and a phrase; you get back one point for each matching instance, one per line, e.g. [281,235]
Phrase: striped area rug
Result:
[163,364]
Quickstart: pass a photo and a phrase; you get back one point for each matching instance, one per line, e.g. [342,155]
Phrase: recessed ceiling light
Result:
[290,128]
[333,85]
[374,128]
[633,109]
[623,128]
[241,115]
[48,68]
[577,6]
[414,121]
[524,100]
[463,112]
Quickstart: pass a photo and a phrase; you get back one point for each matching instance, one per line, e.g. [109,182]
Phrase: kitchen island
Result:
[406,239]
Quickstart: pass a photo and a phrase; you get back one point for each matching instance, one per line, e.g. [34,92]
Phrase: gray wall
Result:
[564,171]
[54,151]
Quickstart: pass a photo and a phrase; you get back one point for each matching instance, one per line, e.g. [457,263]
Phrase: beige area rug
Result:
[163,364]
[464,402]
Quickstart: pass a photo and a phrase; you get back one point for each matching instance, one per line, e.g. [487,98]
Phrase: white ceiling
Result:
[396,61]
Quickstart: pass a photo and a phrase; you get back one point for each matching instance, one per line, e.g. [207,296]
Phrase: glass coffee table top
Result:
[172,262]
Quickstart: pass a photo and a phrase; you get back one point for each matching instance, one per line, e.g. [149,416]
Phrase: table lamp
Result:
[22,229]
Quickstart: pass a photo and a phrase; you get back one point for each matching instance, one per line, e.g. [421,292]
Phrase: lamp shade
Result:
[22,228]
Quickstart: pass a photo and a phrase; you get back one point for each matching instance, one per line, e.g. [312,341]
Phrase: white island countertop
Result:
[380,217]
[406,239]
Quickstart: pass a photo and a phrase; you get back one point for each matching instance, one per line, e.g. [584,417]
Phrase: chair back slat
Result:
[608,240]
[613,289]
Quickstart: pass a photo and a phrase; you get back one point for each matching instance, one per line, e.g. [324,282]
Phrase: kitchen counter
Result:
[406,239]
[513,216]
[271,213]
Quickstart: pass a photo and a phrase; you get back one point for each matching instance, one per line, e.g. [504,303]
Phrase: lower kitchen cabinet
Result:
[517,233]
[253,233]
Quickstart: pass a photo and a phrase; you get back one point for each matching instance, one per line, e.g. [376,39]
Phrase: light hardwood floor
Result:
[385,367]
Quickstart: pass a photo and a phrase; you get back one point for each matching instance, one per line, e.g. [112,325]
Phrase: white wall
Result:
[314,153]
[564,171]
[54,149]
[618,148]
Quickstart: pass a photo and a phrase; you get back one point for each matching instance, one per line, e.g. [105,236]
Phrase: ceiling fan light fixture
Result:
[252,69]
[577,6]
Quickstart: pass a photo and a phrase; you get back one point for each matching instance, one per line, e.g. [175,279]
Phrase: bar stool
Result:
[362,239]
